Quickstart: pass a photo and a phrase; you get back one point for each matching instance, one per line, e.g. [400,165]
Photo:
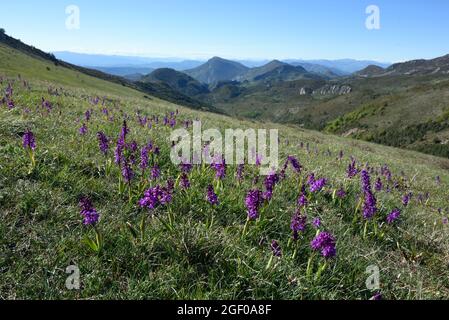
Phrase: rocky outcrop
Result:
[305,91]
[335,90]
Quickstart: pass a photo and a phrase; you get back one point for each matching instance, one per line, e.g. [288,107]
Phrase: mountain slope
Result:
[178,81]
[370,71]
[124,71]
[406,109]
[438,65]
[257,71]
[48,63]
[216,70]
[285,72]
[318,69]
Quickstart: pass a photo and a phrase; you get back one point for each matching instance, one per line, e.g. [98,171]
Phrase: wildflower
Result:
[167,194]
[46,104]
[211,196]
[118,152]
[445,220]
[369,206]
[378,185]
[185,183]
[127,172]
[155,196]
[89,213]
[186,167]
[295,164]
[220,168]
[155,172]
[253,201]
[270,181]
[144,156]
[325,243]
[124,131]
[302,200]
[132,147]
[29,140]
[385,171]
[10,104]
[352,170]
[406,199]
[316,222]
[142,121]
[103,142]
[276,249]
[298,224]
[341,193]
[87,115]
[311,179]
[393,216]
[316,185]
[83,129]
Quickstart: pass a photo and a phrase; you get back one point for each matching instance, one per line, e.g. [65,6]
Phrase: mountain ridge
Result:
[179,81]
[217,69]
[329,68]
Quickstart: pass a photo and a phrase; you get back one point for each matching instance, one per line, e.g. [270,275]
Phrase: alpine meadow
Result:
[93,205]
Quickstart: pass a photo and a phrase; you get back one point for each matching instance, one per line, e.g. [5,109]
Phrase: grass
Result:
[202,253]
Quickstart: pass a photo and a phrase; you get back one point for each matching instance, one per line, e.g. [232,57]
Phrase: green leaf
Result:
[91,244]
[132,230]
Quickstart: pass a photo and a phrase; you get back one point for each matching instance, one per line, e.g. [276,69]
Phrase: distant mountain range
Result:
[129,65]
[217,72]
[342,66]
[116,61]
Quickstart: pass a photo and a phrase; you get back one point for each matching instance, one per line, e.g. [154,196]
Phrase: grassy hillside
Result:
[159,90]
[189,248]
[14,63]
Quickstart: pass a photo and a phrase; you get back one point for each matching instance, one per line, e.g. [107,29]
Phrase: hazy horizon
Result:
[206,58]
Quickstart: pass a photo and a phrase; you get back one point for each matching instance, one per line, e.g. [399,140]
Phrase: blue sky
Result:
[257,29]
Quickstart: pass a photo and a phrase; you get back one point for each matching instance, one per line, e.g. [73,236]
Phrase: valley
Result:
[377,104]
